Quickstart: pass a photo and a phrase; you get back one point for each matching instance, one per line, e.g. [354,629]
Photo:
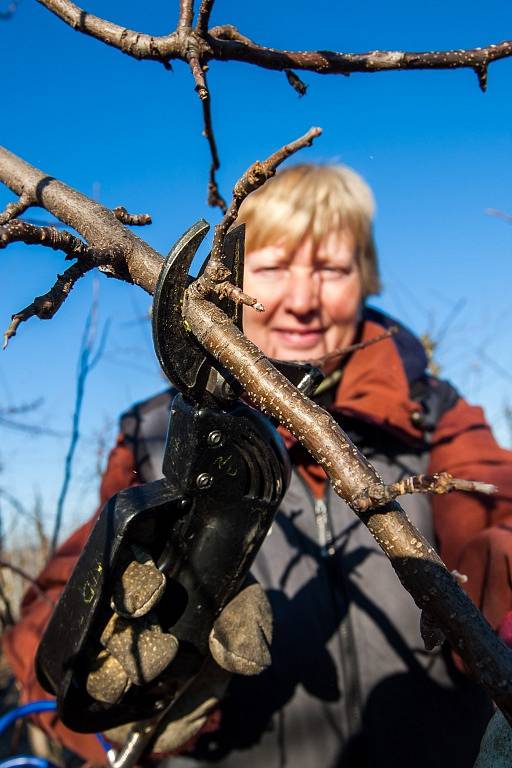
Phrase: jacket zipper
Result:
[324,529]
[337,582]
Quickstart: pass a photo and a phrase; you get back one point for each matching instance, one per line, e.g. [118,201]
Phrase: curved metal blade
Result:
[179,354]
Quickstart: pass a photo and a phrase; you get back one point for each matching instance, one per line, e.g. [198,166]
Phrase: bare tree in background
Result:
[107,245]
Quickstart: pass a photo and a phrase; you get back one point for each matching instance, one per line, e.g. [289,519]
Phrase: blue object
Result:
[26,761]
[33,708]
[27,709]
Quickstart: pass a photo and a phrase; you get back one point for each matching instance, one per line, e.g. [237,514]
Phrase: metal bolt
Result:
[215,437]
[204,480]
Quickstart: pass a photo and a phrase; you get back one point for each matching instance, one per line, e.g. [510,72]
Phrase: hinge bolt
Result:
[204,480]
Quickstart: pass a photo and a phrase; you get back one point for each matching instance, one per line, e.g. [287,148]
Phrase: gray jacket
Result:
[351,684]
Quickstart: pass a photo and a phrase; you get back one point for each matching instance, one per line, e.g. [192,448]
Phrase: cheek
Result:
[267,291]
[342,303]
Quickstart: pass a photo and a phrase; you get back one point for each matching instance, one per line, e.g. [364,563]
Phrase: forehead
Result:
[336,247]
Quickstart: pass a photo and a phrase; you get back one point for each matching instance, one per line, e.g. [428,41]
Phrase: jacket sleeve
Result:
[475,531]
[20,643]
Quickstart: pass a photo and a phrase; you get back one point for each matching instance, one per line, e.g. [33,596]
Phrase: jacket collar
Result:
[375,386]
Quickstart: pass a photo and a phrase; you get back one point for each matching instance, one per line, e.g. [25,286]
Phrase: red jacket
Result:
[474,532]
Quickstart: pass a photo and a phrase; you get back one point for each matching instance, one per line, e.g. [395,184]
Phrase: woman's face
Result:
[311,298]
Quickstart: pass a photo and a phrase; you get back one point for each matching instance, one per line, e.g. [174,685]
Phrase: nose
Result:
[303,292]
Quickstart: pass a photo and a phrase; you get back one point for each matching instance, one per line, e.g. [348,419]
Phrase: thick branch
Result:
[136,44]
[416,563]
[332,63]
[418,566]
[97,224]
[225,43]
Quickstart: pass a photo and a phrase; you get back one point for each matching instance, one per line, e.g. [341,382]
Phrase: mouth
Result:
[304,338]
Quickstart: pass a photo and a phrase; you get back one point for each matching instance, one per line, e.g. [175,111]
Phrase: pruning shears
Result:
[225,473]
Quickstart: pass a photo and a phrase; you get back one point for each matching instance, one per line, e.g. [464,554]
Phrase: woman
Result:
[350,683]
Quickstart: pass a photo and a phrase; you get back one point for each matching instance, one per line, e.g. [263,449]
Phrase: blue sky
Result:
[436,151]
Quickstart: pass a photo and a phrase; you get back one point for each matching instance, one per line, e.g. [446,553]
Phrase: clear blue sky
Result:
[436,151]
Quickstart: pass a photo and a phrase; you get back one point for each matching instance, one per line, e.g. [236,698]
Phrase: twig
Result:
[133,219]
[44,307]
[203,17]
[295,82]
[16,410]
[85,366]
[215,277]
[58,240]
[186,14]
[255,177]
[344,351]
[500,214]
[377,494]
[24,575]
[215,199]
[12,210]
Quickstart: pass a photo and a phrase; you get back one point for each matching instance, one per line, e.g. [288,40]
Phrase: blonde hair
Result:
[311,200]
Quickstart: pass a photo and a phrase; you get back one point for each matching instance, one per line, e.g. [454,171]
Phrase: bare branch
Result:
[27,577]
[133,219]
[255,177]
[58,240]
[44,307]
[12,210]
[86,362]
[203,17]
[415,561]
[230,32]
[141,264]
[376,495]
[417,564]
[225,43]
[197,73]
[186,14]
[136,44]
[500,214]
[331,63]
[344,351]
[215,199]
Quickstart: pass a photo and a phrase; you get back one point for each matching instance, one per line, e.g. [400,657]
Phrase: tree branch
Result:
[254,177]
[203,17]
[27,577]
[416,563]
[333,63]
[186,14]
[97,224]
[12,210]
[225,43]
[418,566]
[442,482]
[132,219]
[44,307]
